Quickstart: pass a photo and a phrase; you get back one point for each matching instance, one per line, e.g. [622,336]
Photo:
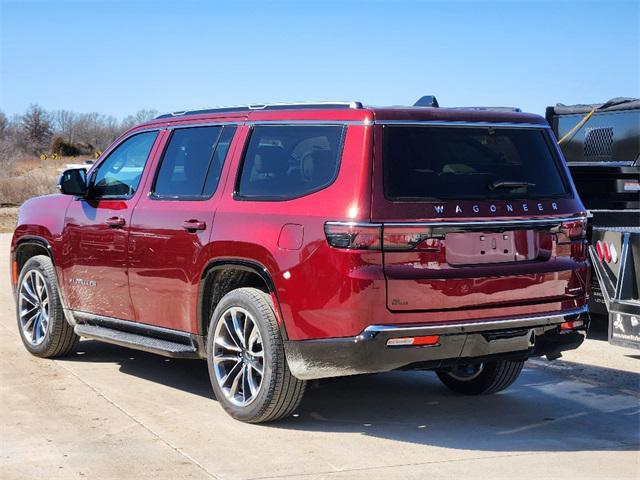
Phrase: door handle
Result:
[193,225]
[115,222]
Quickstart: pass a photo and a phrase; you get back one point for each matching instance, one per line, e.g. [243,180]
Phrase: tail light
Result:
[574,233]
[573,325]
[371,236]
[410,238]
[574,229]
[353,236]
[579,250]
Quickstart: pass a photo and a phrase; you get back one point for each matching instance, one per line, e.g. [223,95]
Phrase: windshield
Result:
[438,163]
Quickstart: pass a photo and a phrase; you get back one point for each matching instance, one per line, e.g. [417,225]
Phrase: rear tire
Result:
[482,378]
[43,328]
[245,355]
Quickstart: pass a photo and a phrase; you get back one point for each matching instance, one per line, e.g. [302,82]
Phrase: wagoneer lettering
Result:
[286,243]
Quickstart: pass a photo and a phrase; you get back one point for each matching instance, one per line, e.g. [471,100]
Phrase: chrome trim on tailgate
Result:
[488,222]
[474,223]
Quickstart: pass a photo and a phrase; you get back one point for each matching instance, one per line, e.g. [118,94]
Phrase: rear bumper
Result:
[460,343]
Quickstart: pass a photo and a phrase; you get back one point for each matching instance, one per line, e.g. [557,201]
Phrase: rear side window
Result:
[440,163]
[284,162]
[192,162]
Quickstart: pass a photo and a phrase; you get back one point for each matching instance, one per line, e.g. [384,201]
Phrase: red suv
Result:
[286,243]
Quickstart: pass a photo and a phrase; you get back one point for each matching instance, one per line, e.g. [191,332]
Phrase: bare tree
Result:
[4,124]
[36,128]
[141,116]
[65,124]
[33,131]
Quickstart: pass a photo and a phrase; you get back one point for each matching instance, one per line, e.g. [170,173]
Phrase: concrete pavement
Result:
[111,413]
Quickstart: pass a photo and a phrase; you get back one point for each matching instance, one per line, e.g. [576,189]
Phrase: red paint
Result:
[150,269]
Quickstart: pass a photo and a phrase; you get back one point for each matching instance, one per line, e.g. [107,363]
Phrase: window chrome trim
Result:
[444,123]
[177,126]
[316,123]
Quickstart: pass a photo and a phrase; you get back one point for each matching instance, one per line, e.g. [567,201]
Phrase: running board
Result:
[137,341]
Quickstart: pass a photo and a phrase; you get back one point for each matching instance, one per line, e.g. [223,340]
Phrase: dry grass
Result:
[8,219]
[29,177]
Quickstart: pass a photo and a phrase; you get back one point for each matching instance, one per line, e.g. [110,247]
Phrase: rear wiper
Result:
[508,184]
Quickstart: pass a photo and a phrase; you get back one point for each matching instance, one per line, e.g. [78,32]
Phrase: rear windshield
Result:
[438,163]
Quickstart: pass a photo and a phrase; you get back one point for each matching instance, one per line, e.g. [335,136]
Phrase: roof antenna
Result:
[427,101]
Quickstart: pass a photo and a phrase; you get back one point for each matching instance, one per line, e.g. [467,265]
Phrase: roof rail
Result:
[491,109]
[432,101]
[266,106]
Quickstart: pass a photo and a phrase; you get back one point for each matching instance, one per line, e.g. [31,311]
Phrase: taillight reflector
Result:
[565,326]
[614,253]
[424,340]
[14,272]
[606,253]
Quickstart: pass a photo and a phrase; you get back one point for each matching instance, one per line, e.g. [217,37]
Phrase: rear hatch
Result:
[475,216]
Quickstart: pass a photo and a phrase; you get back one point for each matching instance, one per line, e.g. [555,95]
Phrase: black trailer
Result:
[601,143]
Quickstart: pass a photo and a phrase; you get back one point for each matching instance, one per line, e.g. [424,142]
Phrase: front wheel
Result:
[247,365]
[43,328]
[482,378]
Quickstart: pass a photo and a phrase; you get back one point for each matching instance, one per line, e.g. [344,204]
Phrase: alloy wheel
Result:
[238,356]
[467,372]
[34,307]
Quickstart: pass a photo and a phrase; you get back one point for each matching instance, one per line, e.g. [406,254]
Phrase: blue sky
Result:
[117,57]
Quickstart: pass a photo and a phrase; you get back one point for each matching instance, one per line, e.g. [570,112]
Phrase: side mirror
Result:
[73,182]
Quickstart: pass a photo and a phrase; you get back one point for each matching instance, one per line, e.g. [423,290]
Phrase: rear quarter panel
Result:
[314,286]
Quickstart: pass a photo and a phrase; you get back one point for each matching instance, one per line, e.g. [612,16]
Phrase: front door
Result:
[96,231]
[171,226]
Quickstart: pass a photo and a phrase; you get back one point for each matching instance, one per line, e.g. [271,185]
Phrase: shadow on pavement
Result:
[554,406]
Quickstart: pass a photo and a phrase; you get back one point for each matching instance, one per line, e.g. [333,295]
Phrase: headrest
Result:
[273,160]
[324,165]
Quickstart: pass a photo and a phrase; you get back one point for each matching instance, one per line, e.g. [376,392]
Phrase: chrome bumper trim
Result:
[478,326]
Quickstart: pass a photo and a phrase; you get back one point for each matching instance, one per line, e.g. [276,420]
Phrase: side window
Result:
[118,176]
[192,162]
[283,162]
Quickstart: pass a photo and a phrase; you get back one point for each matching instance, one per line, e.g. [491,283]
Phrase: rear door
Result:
[171,226]
[473,217]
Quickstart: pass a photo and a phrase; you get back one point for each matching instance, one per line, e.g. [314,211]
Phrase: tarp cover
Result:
[618,103]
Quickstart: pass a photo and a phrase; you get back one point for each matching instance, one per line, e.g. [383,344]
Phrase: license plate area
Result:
[472,248]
